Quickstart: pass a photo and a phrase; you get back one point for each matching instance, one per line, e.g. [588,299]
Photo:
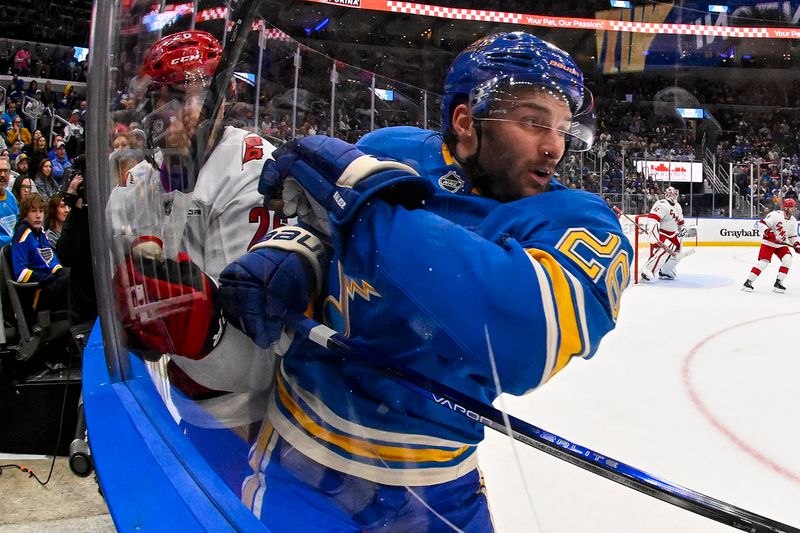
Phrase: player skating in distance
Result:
[439,241]
[666,227]
[179,217]
[780,232]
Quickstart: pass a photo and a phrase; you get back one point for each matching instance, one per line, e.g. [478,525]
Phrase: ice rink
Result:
[699,384]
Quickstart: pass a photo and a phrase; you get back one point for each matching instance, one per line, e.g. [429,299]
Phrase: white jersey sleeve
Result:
[227,212]
[214,224]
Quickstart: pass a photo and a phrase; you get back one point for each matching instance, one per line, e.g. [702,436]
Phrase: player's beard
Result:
[498,175]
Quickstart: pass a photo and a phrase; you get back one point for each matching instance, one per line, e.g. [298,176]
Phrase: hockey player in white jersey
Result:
[780,232]
[180,216]
[667,227]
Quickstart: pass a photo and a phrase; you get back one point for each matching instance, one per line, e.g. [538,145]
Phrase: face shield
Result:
[521,102]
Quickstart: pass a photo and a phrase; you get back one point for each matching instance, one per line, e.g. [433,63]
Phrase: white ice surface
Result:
[699,385]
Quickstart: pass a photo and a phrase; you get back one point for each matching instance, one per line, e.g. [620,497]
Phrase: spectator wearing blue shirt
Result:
[52,153]
[61,162]
[9,114]
[8,204]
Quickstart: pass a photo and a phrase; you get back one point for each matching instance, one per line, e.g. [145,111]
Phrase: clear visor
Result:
[543,107]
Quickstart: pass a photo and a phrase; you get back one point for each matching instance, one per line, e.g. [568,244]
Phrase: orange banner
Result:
[524,19]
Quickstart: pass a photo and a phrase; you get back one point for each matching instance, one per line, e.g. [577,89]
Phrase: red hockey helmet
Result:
[184,57]
[789,202]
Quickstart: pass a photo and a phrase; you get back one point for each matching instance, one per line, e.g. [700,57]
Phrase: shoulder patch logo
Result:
[451,182]
[253,148]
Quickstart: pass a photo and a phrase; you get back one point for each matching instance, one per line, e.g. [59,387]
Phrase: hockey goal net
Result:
[635,228]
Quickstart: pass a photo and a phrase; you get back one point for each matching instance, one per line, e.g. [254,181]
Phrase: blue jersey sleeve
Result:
[535,284]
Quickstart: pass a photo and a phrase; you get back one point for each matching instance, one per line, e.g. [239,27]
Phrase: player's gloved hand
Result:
[770,236]
[167,306]
[338,177]
[681,231]
[277,278]
[796,246]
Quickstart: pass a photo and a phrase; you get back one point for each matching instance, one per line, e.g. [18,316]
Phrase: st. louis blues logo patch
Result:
[47,255]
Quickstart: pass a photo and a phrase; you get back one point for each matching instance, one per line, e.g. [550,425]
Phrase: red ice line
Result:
[738,441]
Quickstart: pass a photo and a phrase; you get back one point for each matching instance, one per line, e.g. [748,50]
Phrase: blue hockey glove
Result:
[279,276]
[338,177]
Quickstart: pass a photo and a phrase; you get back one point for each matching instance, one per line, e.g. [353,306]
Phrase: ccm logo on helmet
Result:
[185,59]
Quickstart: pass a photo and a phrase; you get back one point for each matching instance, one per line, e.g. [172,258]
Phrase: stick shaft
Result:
[543,440]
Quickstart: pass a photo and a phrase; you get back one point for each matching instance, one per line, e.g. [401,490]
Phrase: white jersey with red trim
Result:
[214,224]
[778,229]
[668,216]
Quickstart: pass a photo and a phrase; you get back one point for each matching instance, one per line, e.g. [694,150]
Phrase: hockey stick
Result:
[540,439]
[677,255]
[242,13]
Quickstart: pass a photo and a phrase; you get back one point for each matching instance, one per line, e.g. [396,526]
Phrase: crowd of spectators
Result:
[636,119]
[41,60]
[38,184]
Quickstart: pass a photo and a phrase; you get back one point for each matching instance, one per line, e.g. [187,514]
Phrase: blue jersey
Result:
[535,282]
[8,217]
[32,256]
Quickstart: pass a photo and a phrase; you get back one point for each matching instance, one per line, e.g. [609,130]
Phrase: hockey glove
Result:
[167,306]
[681,231]
[338,177]
[796,246]
[278,277]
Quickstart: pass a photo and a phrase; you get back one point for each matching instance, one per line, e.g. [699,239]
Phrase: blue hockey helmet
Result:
[494,67]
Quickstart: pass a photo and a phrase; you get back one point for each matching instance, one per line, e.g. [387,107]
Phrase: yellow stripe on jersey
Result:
[24,235]
[571,343]
[448,158]
[551,321]
[24,275]
[257,453]
[362,447]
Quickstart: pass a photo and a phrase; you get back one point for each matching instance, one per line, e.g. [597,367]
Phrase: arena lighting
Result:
[690,112]
[385,94]
[81,53]
[321,24]
[247,77]
[714,8]
[620,3]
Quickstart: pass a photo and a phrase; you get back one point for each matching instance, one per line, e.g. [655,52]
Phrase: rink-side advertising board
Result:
[718,232]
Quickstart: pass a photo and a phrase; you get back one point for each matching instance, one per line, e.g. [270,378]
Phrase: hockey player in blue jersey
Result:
[441,250]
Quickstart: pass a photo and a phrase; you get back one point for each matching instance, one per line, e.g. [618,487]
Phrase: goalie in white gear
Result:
[667,228]
[780,232]
[179,217]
